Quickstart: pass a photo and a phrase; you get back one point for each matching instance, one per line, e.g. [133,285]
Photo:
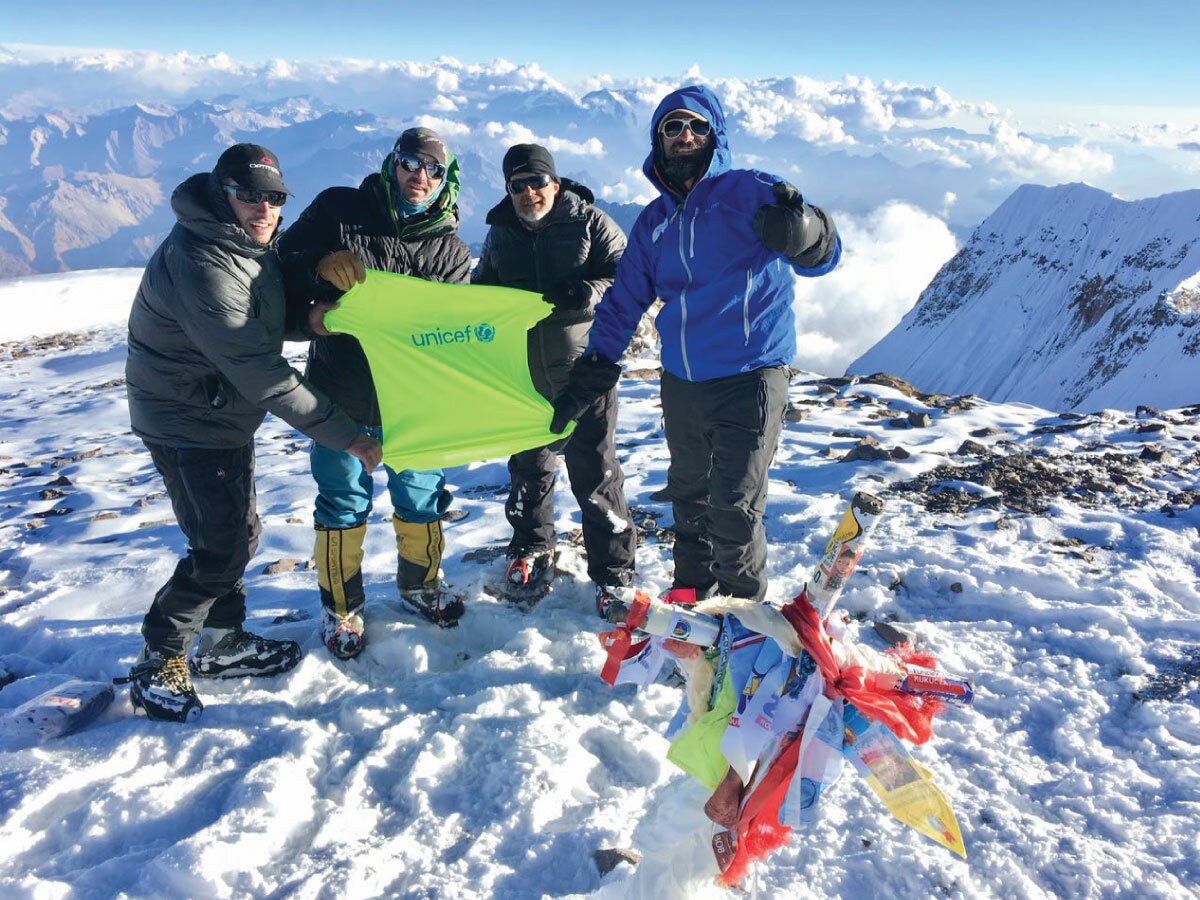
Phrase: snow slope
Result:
[491,761]
[1067,297]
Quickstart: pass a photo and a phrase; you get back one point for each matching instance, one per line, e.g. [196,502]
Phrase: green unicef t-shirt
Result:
[451,368]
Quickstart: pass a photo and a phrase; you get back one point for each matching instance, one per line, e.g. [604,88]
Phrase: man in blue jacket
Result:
[719,247]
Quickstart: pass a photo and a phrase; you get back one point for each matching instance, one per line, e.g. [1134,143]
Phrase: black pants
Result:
[598,484]
[722,435]
[212,493]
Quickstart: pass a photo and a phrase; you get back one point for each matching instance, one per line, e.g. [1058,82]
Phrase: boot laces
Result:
[174,675]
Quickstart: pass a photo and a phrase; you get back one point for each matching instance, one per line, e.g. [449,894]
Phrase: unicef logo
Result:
[441,337]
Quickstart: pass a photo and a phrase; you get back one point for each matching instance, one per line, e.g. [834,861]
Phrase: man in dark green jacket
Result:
[401,219]
[547,237]
[205,365]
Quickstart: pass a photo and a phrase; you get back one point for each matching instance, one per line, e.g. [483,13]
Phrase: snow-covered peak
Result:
[1065,296]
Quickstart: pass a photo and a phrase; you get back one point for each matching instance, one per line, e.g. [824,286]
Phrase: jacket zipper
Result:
[687,367]
[746,310]
[541,332]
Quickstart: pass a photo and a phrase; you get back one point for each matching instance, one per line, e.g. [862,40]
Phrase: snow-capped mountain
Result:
[1066,297]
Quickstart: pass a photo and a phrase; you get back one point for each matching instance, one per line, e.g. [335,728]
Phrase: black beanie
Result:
[528,159]
[251,166]
[422,140]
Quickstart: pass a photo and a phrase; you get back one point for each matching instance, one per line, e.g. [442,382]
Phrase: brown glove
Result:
[342,269]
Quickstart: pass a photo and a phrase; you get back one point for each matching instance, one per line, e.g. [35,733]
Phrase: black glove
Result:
[569,295]
[591,377]
[792,227]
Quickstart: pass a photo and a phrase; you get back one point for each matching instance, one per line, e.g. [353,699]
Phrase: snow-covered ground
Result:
[491,761]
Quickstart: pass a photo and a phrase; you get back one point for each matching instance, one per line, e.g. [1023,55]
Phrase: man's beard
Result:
[533,219]
[686,166]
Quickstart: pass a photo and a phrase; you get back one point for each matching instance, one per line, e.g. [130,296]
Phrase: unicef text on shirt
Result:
[482,334]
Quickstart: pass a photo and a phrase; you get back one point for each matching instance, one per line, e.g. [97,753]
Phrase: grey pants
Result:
[212,494]
[722,436]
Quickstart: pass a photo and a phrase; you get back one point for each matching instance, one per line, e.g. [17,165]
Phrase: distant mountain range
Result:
[1065,297]
[80,192]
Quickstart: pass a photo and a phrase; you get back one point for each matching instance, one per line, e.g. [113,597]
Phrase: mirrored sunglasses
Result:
[410,162]
[537,182]
[253,197]
[673,128]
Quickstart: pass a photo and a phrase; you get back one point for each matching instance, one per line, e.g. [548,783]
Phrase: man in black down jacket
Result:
[205,341]
[547,237]
[402,219]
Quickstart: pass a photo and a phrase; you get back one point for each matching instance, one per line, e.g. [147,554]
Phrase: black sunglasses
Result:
[537,182]
[673,128]
[410,162]
[253,197]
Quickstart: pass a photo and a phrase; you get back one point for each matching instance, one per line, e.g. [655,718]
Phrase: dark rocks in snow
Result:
[296,615]
[1173,678]
[989,431]
[646,522]
[1063,428]
[643,374]
[918,419]
[282,566]
[898,423]
[1153,454]
[955,404]
[865,451]
[1150,428]
[1028,482]
[485,554]
[1147,412]
[103,516]
[794,413]
[971,448]
[51,493]
[609,858]
[894,382]
[61,461]
[60,481]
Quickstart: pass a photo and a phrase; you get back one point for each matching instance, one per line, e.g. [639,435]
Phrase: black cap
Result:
[422,140]
[251,166]
[528,159]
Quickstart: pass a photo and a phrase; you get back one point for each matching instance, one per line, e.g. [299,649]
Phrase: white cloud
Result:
[631,188]
[888,257]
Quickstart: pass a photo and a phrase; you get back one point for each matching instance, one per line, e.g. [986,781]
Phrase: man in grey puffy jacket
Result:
[205,365]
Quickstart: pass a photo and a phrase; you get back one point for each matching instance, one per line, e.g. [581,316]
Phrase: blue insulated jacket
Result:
[727,299]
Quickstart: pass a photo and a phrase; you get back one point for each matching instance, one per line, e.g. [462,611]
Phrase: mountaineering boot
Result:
[615,589]
[613,601]
[343,635]
[232,653]
[339,555]
[435,603]
[419,547]
[160,687]
[528,577]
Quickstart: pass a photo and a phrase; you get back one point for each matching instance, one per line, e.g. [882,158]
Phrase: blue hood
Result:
[702,101]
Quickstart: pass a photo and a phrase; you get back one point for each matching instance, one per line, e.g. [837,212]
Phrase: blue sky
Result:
[1020,52]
